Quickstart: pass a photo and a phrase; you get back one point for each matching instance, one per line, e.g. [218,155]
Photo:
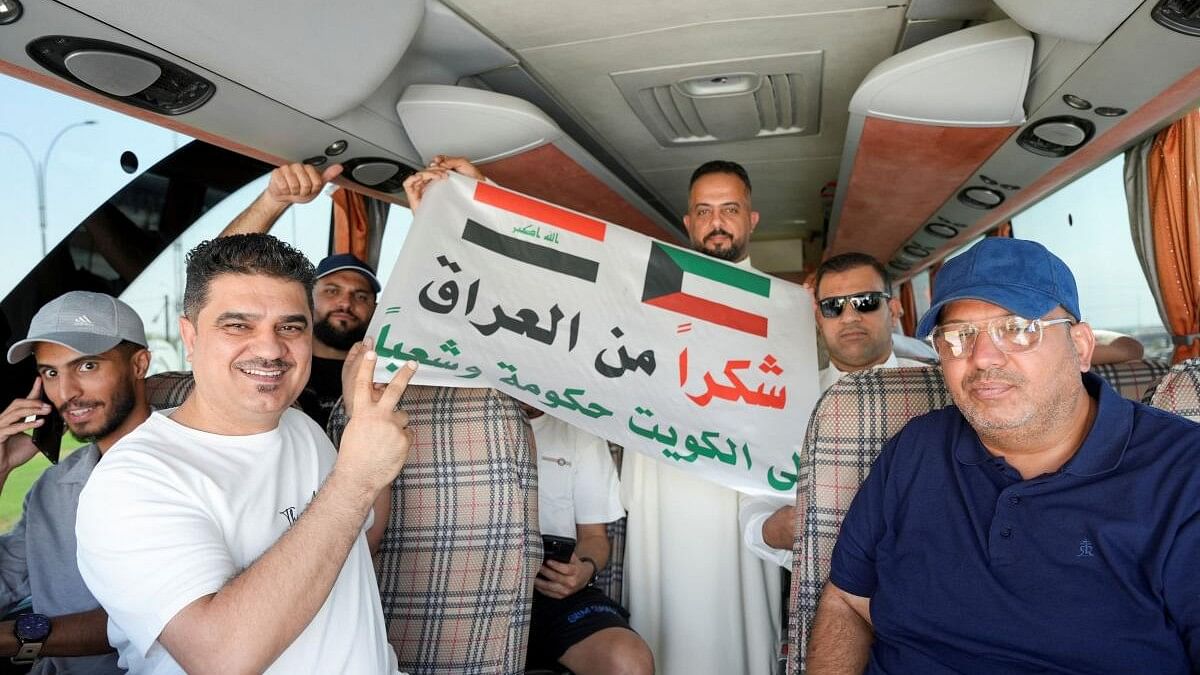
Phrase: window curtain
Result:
[1163,187]
[358,224]
[908,303]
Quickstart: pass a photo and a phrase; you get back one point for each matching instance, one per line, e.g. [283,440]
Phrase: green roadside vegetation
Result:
[22,478]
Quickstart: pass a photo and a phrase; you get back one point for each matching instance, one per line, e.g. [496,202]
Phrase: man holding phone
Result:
[91,358]
[573,623]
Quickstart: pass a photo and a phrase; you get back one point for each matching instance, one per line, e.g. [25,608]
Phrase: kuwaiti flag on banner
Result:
[700,363]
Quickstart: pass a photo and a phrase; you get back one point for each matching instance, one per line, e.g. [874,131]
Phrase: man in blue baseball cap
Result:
[1042,523]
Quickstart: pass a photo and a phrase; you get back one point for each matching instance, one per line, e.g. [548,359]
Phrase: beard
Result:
[338,338]
[732,254]
[118,408]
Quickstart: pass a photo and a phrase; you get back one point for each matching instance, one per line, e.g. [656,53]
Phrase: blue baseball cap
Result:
[347,261]
[1018,275]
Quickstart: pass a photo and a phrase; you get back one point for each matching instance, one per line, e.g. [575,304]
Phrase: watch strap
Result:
[595,569]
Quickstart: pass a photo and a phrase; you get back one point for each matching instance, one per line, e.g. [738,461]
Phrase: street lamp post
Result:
[39,172]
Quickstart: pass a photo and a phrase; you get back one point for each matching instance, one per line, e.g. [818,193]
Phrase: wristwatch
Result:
[31,631]
[595,569]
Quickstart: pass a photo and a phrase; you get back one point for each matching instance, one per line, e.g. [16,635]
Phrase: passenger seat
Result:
[848,428]
[461,549]
[1179,391]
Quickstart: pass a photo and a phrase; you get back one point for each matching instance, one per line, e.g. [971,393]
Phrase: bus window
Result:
[157,294]
[1087,225]
[114,192]
[61,158]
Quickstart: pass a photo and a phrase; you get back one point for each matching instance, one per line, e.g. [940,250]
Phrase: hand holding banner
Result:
[704,364]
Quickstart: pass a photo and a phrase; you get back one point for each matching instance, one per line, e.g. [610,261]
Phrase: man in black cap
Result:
[91,358]
[343,302]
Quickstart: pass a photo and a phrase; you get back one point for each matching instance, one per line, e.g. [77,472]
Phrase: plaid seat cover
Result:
[168,390]
[852,421]
[611,579]
[458,558]
[1133,379]
[1179,391]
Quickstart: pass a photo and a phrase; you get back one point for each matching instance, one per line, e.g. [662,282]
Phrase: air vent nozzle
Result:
[124,73]
[377,173]
[1056,136]
[1181,16]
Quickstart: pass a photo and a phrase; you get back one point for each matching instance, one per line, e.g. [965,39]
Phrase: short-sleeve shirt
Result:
[1090,569]
[577,480]
[173,513]
[37,558]
[323,390]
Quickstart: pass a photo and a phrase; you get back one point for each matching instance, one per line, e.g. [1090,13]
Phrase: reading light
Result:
[10,11]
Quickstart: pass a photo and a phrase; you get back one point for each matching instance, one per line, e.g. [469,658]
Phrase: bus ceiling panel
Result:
[482,126]
[564,174]
[234,117]
[1086,22]
[920,124]
[537,24]
[1142,68]
[522,147]
[849,37]
[302,53]
[971,78]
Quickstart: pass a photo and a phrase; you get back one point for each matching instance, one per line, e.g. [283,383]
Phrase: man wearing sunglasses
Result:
[1042,523]
[854,315]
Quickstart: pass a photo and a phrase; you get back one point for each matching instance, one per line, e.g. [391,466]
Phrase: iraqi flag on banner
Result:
[704,364]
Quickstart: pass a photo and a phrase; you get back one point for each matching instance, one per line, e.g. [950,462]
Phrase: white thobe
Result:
[702,601]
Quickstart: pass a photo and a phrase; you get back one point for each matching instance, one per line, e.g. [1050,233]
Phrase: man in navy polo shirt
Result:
[1043,523]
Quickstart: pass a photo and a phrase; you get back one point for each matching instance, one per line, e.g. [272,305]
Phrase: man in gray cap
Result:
[1042,523]
[91,358]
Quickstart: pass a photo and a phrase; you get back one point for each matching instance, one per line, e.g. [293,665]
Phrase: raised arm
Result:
[246,625]
[438,169]
[1113,347]
[290,184]
[842,635]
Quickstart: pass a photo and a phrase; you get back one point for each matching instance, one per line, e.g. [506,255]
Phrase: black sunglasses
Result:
[831,308]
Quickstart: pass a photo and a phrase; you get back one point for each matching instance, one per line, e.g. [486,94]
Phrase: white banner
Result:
[702,364]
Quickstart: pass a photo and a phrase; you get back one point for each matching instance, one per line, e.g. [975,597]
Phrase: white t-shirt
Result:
[577,481]
[171,514]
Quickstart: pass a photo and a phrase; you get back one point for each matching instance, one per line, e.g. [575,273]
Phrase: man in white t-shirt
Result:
[227,535]
[854,313]
[573,623]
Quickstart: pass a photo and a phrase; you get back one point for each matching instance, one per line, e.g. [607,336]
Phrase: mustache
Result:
[264,364]
[994,375]
[80,403]
[717,233]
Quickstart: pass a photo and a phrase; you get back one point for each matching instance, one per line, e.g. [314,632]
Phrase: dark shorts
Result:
[557,625]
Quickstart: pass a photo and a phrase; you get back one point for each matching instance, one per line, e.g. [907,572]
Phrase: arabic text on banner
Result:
[699,363]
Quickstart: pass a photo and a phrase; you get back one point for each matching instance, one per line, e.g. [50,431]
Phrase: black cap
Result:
[346,261]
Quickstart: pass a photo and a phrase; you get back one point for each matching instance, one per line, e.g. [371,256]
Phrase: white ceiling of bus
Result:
[574,46]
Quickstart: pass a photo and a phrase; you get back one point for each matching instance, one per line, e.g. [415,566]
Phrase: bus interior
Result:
[908,129]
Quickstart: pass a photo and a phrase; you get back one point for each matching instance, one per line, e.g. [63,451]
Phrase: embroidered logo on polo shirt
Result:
[1086,549]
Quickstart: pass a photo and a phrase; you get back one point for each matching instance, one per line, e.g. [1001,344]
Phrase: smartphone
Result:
[557,548]
[48,437]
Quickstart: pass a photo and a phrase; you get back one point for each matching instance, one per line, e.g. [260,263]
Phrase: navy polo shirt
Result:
[1094,568]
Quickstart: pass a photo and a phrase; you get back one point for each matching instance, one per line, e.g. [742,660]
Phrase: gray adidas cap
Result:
[89,323]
